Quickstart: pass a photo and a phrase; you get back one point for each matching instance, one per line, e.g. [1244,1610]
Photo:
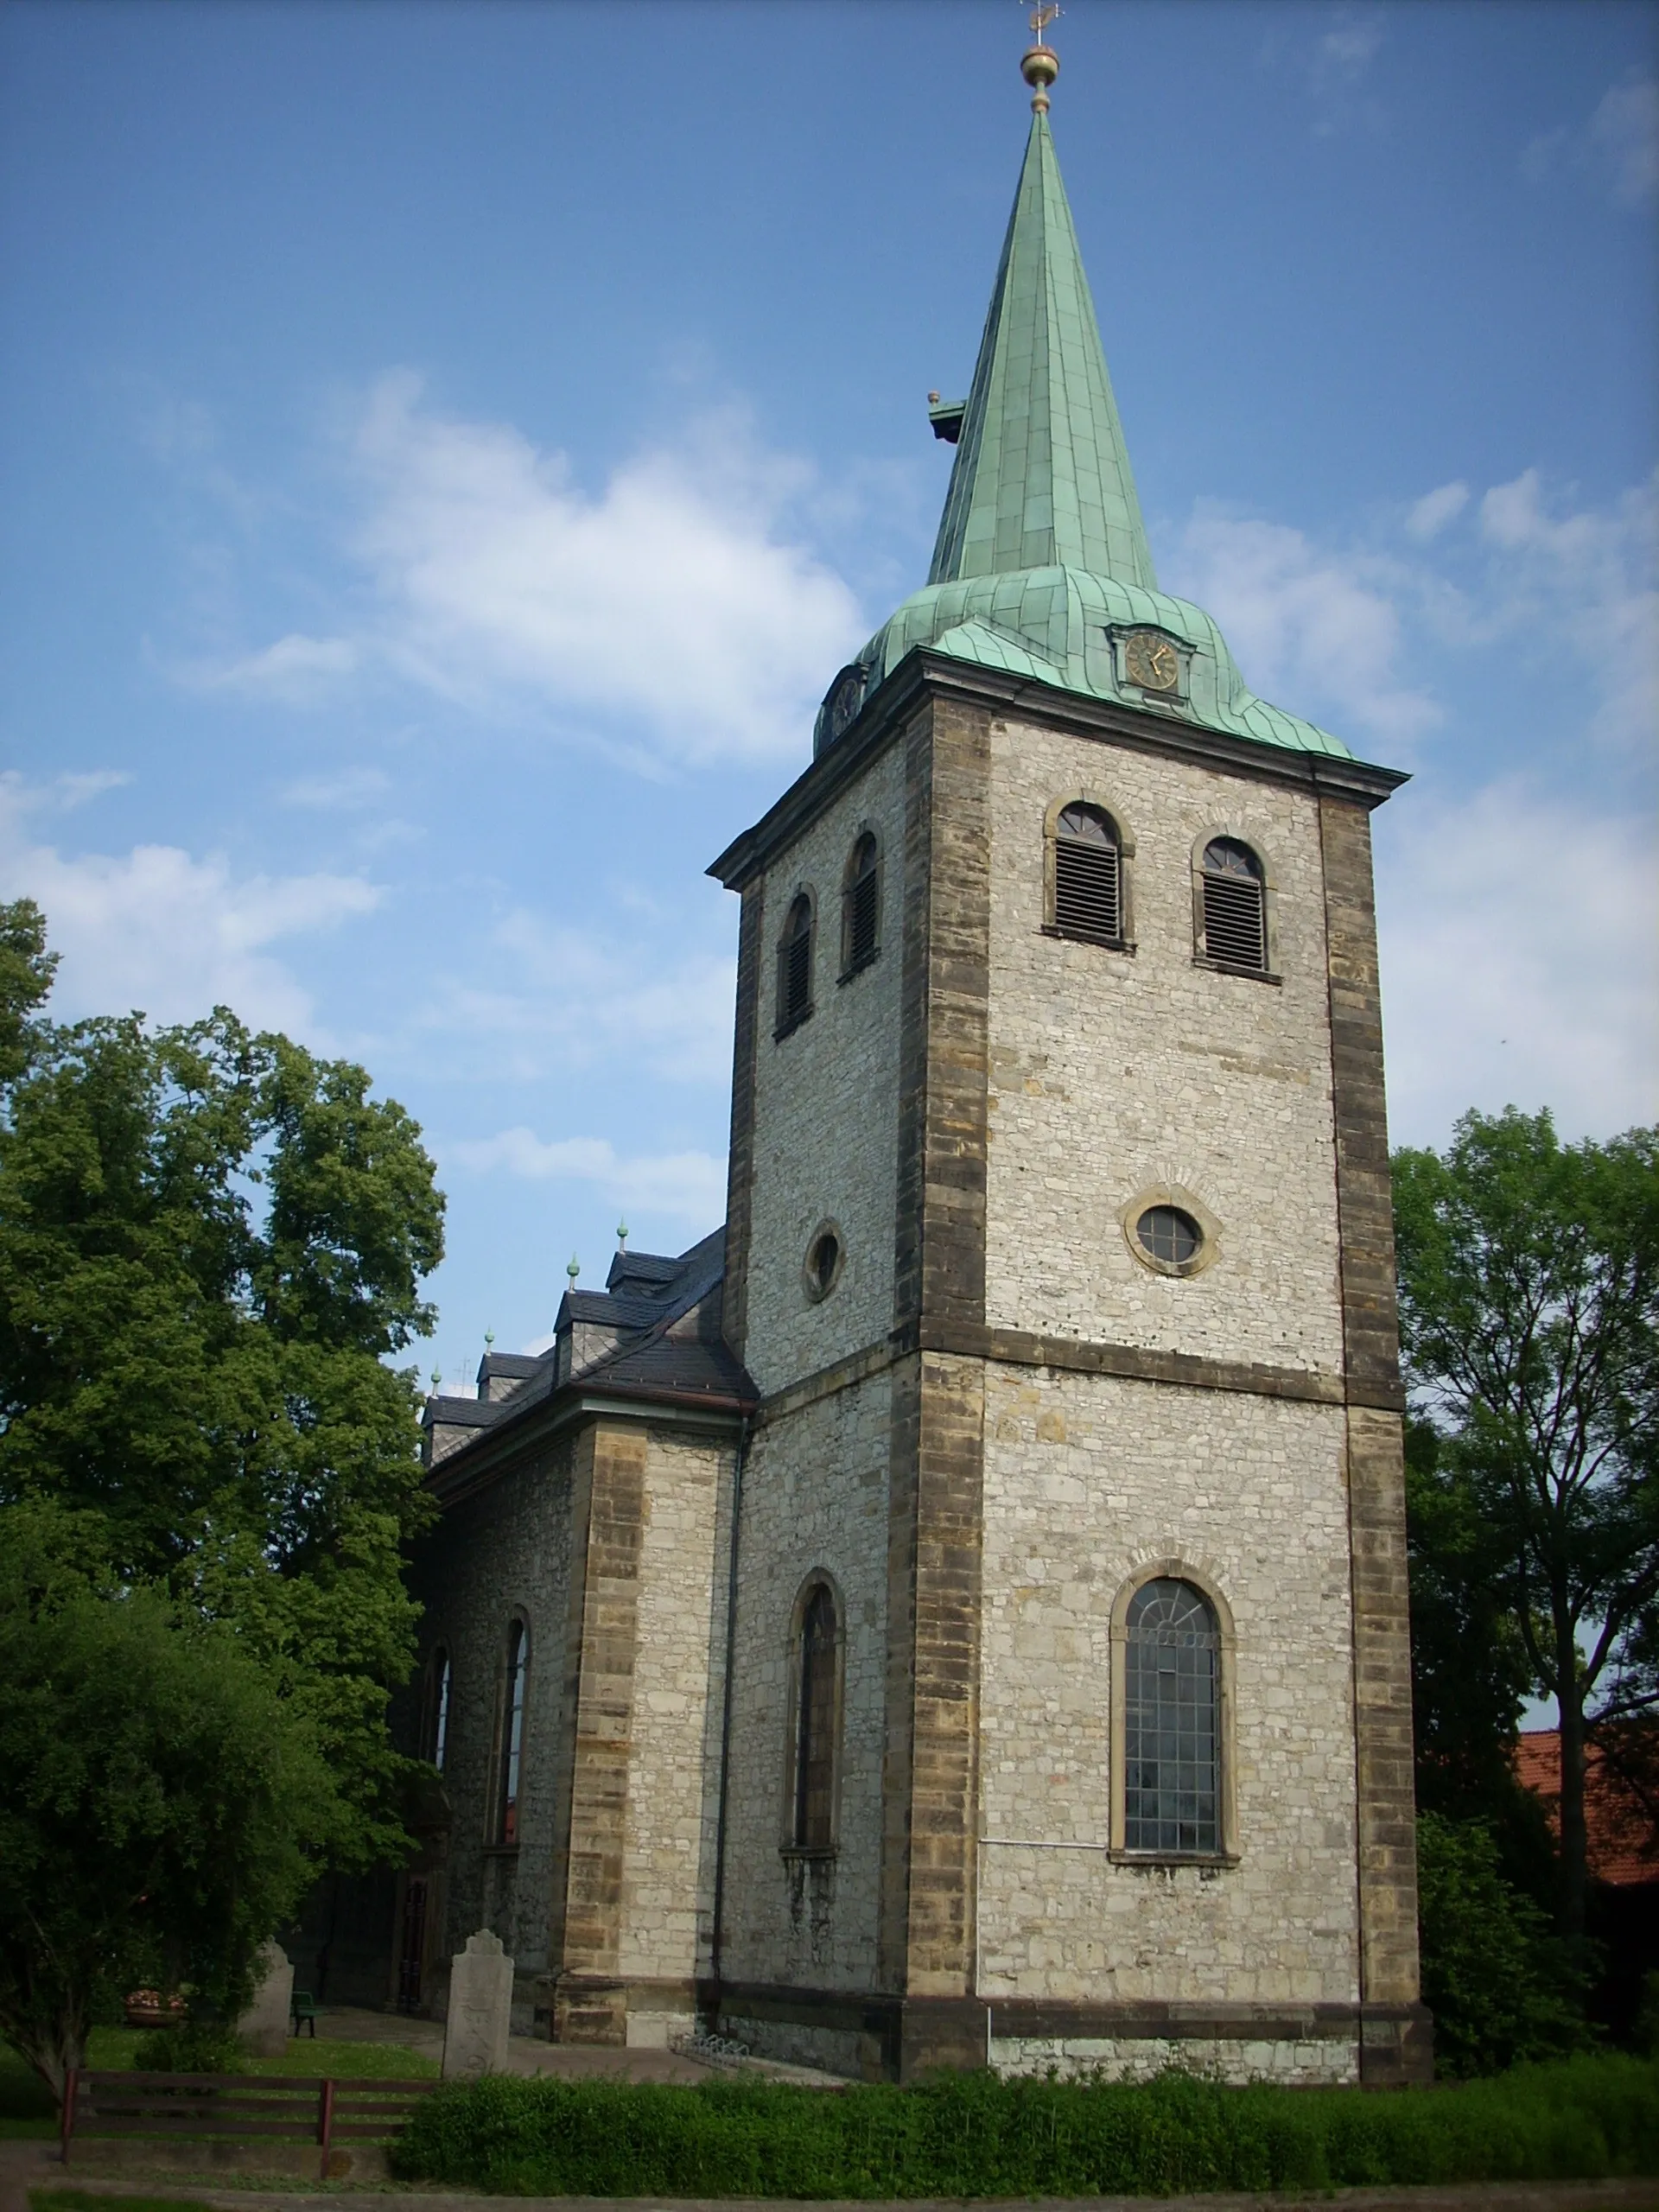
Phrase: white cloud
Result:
[565,996]
[295,670]
[347,792]
[158,930]
[1588,579]
[1520,946]
[1624,131]
[1333,628]
[1431,514]
[1619,142]
[1306,622]
[1343,53]
[678,606]
[687,1186]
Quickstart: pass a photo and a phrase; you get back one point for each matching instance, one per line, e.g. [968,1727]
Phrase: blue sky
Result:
[445,452]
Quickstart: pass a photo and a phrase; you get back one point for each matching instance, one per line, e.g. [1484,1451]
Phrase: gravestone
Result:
[264,2026]
[480,2008]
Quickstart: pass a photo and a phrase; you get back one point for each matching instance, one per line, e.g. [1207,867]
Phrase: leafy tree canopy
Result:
[1529,1320]
[162,1806]
[211,1247]
[1501,1988]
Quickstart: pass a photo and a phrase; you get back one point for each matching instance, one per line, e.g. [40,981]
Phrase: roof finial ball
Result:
[1040,64]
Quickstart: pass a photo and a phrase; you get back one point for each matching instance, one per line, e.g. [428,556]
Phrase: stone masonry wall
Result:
[814,1496]
[673,1778]
[1086,1479]
[825,1103]
[507,1548]
[1112,1072]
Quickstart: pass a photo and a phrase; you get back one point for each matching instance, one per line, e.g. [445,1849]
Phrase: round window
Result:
[824,1259]
[1169,1236]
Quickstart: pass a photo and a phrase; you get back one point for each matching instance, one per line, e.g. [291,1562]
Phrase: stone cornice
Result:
[924,674]
[1076,1356]
[499,1450]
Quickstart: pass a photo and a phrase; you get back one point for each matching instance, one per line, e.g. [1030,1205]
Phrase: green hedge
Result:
[973,2135]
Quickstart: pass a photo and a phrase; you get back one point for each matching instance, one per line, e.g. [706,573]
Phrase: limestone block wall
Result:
[673,1769]
[826,1102]
[1112,1072]
[1087,1478]
[815,1498]
[506,1549]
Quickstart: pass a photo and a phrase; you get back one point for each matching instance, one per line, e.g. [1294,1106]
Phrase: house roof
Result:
[1622,1838]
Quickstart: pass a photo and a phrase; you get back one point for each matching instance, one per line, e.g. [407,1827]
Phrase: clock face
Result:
[846,698]
[1151,662]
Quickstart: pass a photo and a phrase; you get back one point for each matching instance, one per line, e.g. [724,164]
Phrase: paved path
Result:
[18,2173]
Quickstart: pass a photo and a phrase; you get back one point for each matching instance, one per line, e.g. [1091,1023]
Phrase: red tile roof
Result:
[1624,1843]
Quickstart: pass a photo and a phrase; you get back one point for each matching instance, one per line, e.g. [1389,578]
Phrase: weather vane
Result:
[1041,64]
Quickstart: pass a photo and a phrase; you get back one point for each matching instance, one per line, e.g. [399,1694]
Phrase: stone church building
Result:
[956,1611]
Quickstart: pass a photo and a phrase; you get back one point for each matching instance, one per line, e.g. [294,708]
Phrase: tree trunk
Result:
[1576,1873]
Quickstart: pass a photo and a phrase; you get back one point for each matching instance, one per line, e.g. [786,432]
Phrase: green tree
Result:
[161,1804]
[211,1248]
[1529,1320]
[1501,1988]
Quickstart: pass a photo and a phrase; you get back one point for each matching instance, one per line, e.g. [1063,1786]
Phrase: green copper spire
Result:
[1042,477]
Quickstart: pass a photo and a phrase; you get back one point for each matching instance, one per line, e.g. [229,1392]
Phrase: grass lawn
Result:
[26,2109]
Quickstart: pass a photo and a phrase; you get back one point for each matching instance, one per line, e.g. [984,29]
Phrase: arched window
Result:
[861,904]
[1087,876]
[795,966]
[1234,906]
[435,1724]
[1172,1713]
[513,1735]
[813,1813]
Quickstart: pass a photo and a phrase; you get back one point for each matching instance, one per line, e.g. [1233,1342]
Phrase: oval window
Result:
[1169,1236]
[822,1264]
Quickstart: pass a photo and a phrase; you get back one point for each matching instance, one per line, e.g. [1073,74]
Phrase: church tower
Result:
[1067,1714]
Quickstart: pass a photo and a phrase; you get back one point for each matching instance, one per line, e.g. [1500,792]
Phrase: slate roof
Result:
[670,1350]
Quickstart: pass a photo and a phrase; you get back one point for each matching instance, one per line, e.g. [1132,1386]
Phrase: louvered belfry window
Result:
[1172,1746]
[1087,876]
[815,1746]
[1235,905]
[862,908]
[795,966]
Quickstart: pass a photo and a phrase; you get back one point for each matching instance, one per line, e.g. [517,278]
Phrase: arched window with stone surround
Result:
[1234,906]
[1172,1735]
[817,1721]
[795,966]
[861,906]
[511,1736]
[435,1720]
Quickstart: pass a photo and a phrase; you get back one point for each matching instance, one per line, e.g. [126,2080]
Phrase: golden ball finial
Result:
[1040,64]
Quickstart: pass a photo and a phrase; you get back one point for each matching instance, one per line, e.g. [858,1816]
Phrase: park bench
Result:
[195,2107]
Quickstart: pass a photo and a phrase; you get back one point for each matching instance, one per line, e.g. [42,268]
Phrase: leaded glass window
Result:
[1172,1721]
[815,1744]
[512,1734]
